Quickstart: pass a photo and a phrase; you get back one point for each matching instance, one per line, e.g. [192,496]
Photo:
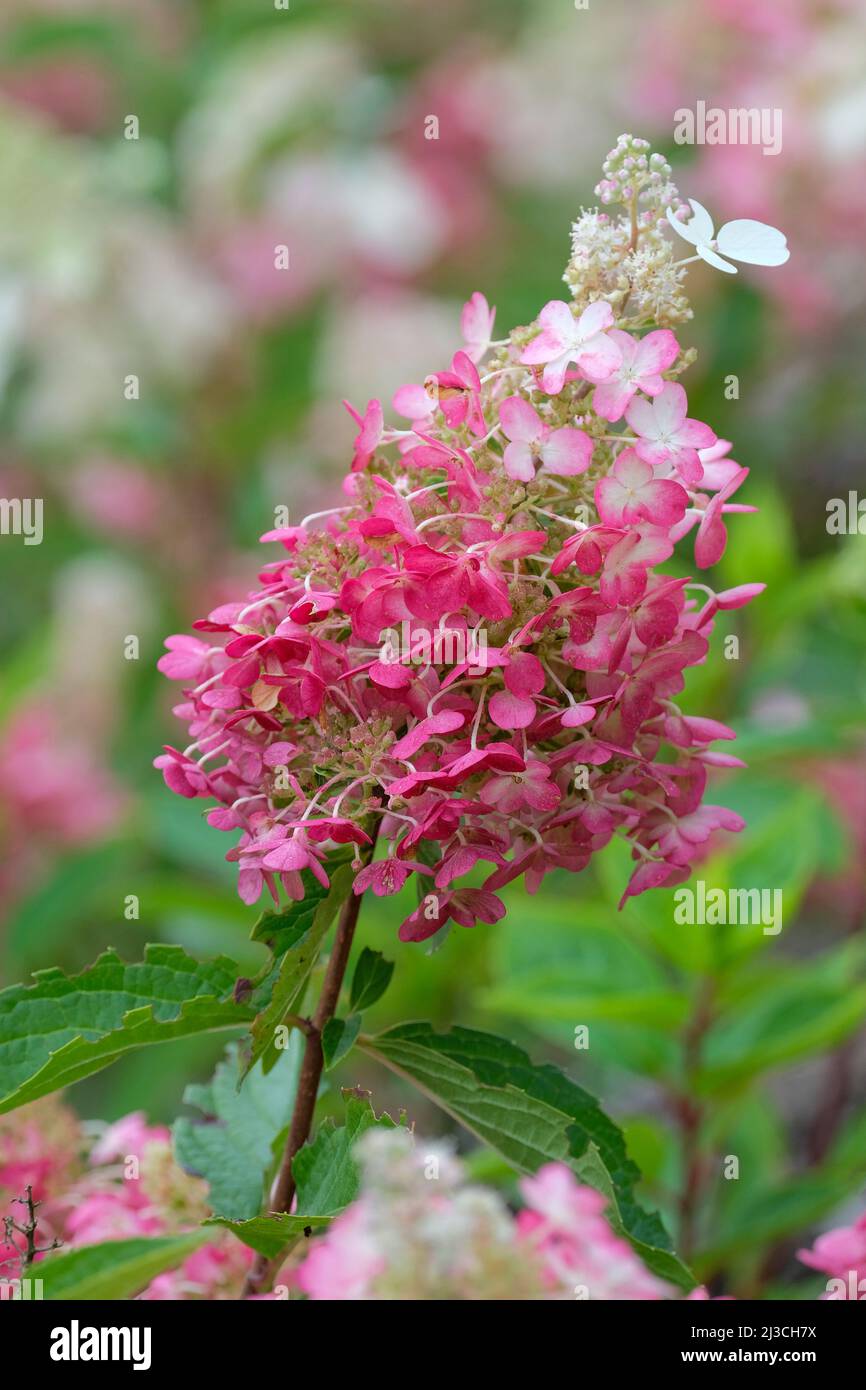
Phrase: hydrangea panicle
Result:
[542,481]
[89,1192]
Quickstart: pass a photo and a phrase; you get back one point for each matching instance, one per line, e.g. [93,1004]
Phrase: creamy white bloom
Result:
[744,239]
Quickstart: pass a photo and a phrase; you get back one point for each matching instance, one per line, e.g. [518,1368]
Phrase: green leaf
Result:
[781,1014]
[231,1146]
[80,888]
[271,1235]
[562,995]
[531,1115]
[603,976]
[325,1171]
[63,1028]
[296,937]
[338,1038]
[778,849]
[769,550]
[327,1181]
[850,1144]
[371,978]
[116,1268]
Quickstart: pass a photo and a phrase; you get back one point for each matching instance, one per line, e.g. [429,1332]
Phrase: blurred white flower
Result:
[267,89]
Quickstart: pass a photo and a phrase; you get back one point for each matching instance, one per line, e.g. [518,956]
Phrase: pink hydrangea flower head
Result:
[430,663]
[89,1193]
[408,1238]
[564,1223]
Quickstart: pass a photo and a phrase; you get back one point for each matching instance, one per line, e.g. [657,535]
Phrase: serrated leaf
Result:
[232,1145]
[531,1115]
[338,1038]
[371,978]
[115,1268]
[300,940]
[63,1028]
[325,1171]
[326,1178]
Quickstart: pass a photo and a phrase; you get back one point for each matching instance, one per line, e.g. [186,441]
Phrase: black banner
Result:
[152,1338]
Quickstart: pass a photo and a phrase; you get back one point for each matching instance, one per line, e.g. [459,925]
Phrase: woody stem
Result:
[283,1191]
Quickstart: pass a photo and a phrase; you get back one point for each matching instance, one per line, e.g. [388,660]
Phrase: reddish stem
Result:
[283,1191]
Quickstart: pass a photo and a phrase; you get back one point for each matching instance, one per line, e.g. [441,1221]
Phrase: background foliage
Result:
[155,256]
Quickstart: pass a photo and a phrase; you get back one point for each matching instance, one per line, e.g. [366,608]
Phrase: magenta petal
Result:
[511,711]
[576,715]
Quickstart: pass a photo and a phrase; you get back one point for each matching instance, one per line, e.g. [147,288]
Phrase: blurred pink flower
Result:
[343,1266]
[117,497]
[406,1237]
[75,93]
[842,1255]
[564,1223]
[109,1198]
[127,1136]
[51,786]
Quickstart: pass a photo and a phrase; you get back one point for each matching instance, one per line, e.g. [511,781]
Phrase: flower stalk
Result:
[309,1079]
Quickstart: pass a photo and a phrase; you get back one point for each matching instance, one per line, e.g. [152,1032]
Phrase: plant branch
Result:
[840,1078]
[690,1116]
[283,1191]
[27,1229]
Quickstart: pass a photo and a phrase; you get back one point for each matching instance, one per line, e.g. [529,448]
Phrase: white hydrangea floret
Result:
[755,243]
